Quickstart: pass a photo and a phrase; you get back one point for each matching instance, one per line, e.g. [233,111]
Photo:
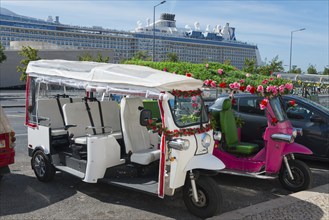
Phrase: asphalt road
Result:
[22,196]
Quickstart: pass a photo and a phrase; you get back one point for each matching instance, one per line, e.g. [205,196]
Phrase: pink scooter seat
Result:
[229,129]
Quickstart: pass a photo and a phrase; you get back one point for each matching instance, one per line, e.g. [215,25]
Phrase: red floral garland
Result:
[189,93]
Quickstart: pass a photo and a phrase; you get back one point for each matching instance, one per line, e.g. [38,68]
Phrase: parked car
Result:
[303,113]
[7,144]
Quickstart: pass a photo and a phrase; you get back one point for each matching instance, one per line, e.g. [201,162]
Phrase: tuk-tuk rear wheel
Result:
[209,197]
[43,169]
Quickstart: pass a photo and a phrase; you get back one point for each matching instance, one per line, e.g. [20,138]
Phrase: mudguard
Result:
[205,161]
[296,148]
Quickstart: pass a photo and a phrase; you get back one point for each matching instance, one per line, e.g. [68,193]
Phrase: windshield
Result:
[188,111]
[278,109]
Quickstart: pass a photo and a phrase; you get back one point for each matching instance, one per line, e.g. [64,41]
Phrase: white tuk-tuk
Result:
[74,126]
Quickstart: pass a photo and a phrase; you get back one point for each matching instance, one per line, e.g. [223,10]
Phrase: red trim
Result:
[162,156]
[27,91]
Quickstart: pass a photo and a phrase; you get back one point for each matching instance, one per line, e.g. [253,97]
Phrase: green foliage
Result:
[172,57]
[2,54]
[326,71]
[88,57]
[311,69]
[210,71]
[249,65]
[142,55]
[29,54]
[274,66]
[296,70]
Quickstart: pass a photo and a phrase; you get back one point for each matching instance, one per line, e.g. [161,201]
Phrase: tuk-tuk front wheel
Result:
[209,197]
[43,169]
[301,173]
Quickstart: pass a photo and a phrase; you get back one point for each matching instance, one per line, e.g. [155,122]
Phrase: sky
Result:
[267,23]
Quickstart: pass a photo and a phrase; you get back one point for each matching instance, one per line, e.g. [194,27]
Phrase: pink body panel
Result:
[248,164]
[296,148]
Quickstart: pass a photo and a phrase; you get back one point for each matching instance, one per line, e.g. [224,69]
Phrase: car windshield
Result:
[188,111]
[278,109]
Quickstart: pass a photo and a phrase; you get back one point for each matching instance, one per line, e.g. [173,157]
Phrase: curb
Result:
[258,210]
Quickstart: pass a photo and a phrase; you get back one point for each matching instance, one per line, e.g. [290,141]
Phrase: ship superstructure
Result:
[190,44]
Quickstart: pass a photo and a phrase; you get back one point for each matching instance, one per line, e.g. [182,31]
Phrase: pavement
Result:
[312,204]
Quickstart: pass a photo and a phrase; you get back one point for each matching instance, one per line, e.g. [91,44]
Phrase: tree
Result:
[2,54]
[249,65]
[172,57]
[326,71]
[29,54]
[311,69]
[295,70]
[274,66]
[141,55]
[88,57]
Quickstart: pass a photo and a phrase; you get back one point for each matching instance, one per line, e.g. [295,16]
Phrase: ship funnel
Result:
[57,19]
[139,24]
[197,26]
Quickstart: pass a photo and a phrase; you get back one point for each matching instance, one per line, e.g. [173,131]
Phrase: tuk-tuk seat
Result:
[51,114]
[142,144]
[229,129]
[76,114]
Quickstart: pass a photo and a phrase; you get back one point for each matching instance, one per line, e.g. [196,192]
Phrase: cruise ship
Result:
[191,44]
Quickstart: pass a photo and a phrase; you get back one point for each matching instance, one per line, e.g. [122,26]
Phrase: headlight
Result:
[206,140]
[283,137]
[217,135]
[179,144]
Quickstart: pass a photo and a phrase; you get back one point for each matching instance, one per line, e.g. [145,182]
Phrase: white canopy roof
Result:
[112,77]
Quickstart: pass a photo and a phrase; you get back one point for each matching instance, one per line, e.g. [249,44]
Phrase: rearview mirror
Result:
[145,115]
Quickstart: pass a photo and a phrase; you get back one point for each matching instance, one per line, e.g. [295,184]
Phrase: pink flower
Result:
[188,74]
[289,86]
[271,78]
[207,65]
[241,80]
[278,76]
[248,75]
[235,85]
[248,88]
[165,69]
[206,82]
[281,89]
[265,81]
[213,84]
[220,71]
[194,105]
[260,88]
[269,89]
[272,89]
[193,98]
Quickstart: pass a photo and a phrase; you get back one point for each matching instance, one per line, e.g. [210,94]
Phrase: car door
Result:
[255,122]
[314,124]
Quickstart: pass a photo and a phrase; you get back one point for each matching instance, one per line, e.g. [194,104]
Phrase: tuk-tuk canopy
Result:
[114,78]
